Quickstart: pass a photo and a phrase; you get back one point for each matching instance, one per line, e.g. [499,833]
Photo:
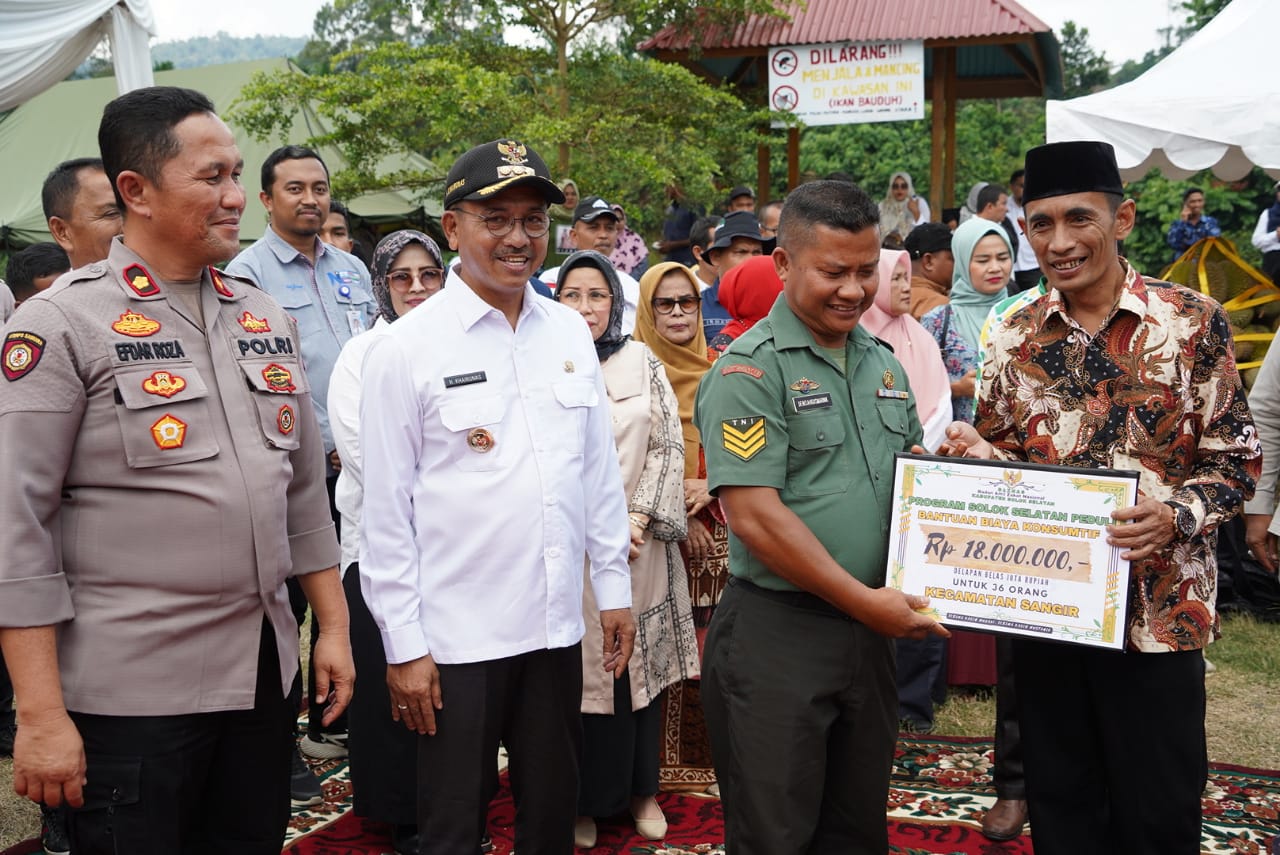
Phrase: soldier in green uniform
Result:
[800,419]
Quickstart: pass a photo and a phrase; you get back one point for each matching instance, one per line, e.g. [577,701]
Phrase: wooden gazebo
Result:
[973,49]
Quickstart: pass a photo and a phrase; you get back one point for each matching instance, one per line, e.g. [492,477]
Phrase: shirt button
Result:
[553,552]
[551,500]
[821,436]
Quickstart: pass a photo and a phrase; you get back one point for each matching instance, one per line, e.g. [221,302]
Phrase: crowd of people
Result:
[596,512]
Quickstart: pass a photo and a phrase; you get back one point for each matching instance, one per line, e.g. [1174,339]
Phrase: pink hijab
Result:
[912,344]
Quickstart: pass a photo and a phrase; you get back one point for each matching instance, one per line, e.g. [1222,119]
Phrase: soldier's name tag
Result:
[455,380]
[804,403]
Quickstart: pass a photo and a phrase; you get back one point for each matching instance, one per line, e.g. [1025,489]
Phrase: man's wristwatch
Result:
[1184,521]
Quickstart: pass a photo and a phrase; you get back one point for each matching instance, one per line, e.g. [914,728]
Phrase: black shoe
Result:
[53,831]
[486,843]
[8,732]
[304,786]
[405,839]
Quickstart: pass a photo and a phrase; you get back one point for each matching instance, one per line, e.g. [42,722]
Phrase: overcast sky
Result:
[1122,29]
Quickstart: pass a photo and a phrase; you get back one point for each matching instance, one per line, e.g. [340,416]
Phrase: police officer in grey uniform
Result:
[179,480]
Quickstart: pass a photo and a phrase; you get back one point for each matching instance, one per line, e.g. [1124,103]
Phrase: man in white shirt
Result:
[489,474]
[1026,270]
[1266,237]
[596,226]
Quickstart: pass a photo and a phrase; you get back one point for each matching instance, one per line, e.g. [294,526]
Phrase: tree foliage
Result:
[1084,69]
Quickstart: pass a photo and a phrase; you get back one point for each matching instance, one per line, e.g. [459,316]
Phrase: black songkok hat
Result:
[487,170]
[1079,166]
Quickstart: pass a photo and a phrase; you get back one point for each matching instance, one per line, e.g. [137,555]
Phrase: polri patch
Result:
[164,383]
[744,437]
[279,379]
[749,370]
[285,420]
[250,324]
[135,325]
[804,403]
[22,351]
[455,380]
[140,281]
[169,432]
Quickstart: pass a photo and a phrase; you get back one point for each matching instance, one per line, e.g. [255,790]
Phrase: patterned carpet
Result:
[940,790]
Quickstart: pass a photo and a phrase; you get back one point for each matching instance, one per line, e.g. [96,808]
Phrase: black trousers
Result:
[383,752]
[1007,773]
[801,710]
[1114,748]
[531,703]
[201,784]
[919,662]
[619,754]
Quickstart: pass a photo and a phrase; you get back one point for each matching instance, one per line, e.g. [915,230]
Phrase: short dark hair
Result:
[700,233]
[336,207]
[136,132]
[58,194]
[989,195]
[1187,194]
[287,152]
[840,175]
[1017,173]
[39,259]
[835,204]
[773,203]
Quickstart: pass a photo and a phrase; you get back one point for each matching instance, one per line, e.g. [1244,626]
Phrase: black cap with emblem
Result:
[488,169]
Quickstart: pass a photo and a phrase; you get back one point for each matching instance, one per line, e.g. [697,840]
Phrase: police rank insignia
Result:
[744,437]
[250,324]
[164,384]
[219,285]
[136,325]
[140,281]
[285,420]
[22,350]
[279,379]
[169,432]
[804,385]
[480,440]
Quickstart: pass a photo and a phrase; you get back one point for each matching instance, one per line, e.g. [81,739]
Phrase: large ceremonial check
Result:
[1013,548]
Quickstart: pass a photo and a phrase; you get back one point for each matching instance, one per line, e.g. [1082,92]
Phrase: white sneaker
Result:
[327,746]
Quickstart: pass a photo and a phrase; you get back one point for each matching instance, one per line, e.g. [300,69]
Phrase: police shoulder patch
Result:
[744,437]
[21,353]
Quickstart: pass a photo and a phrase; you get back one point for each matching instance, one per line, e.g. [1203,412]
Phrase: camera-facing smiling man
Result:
[490,473]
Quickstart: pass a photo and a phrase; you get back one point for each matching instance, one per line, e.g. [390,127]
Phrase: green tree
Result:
[1084,70]
[1199,13]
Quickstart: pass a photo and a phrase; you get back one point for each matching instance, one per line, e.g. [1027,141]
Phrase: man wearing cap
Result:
[737,239]
[741,198]
[490,473]
[1101,367]
[595,226]
[929,245]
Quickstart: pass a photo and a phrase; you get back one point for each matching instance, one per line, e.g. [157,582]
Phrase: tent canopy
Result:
[62,123]
[1211,104]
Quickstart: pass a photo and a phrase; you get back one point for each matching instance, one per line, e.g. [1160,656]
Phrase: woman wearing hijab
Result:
[747,293]
[621,718]
[901,210]
[889,319]
[561,219]
[407,269]
[969,209]
[669,321]
[984,263]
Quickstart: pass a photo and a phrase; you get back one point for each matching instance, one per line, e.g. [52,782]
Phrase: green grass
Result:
[1243,722]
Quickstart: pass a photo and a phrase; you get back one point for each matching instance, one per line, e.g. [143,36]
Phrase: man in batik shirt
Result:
[1100,367]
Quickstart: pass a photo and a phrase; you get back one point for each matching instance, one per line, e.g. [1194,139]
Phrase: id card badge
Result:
[355,321]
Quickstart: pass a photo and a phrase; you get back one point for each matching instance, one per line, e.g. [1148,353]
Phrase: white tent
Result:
[1214,103]
[42,41]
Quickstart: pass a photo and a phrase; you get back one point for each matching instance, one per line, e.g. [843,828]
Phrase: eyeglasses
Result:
[898,185]
[535,225]
[430,277]
[666,305]
[594,298]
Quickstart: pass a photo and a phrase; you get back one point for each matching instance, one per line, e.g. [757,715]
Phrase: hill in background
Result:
[200,51]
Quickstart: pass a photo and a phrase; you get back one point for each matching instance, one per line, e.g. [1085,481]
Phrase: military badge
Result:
[140,281]
[285,420]
[250,324]
[568,366]
[22,350]
[169,432]
[744,437]
[480,441]
[749,370]
[164,384]
[804,385]
[888,379]
[219,285]
[136,325]
[279,379]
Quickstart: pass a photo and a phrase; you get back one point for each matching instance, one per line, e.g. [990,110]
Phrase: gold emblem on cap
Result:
[480,441]
[888,379]
[513,152]
[568,366]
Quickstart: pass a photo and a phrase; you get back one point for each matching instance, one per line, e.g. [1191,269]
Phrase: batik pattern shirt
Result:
[1154,390]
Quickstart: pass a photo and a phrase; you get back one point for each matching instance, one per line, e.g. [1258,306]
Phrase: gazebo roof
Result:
[1002,49]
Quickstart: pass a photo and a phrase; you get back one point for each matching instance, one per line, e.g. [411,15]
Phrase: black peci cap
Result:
[1079,166]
